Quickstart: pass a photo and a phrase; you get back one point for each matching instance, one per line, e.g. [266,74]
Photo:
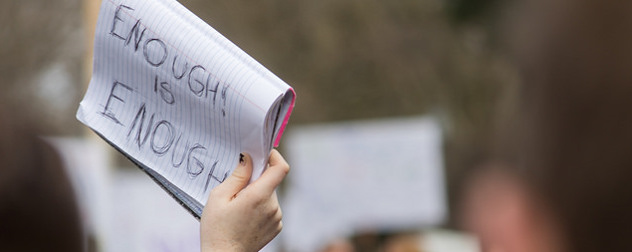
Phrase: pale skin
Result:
[507,217]
[242,217]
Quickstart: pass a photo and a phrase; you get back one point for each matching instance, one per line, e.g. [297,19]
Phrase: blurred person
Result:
[367,241]
[39,212]
[338,245]
[403,242]
[560,177]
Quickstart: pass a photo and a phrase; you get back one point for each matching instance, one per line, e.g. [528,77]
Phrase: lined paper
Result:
[179,99]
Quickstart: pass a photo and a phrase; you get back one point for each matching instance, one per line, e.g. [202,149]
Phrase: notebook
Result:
[179,99]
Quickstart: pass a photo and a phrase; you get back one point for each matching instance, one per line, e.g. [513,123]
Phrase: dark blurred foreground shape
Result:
[569,141]
[38,211]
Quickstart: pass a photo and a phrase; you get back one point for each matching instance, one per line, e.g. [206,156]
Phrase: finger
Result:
[277,159]
[238,180]
[273,175]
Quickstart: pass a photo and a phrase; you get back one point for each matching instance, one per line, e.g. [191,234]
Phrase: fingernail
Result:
[242,161]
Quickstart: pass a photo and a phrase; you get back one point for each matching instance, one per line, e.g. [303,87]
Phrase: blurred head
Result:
[37,206]
[339,245]
[560,179]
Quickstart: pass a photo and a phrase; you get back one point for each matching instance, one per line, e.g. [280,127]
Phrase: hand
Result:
[242,217]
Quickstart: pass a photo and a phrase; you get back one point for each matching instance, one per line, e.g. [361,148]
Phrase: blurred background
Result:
[351,62]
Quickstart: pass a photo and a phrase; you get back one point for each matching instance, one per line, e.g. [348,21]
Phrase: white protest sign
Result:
[382,175]
[179,99]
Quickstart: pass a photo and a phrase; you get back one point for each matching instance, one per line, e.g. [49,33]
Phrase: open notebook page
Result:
[179,99]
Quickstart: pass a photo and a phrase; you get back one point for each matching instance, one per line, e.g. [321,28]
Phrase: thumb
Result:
[238,180]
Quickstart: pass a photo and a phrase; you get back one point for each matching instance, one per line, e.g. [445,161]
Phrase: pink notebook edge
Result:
[286,119]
